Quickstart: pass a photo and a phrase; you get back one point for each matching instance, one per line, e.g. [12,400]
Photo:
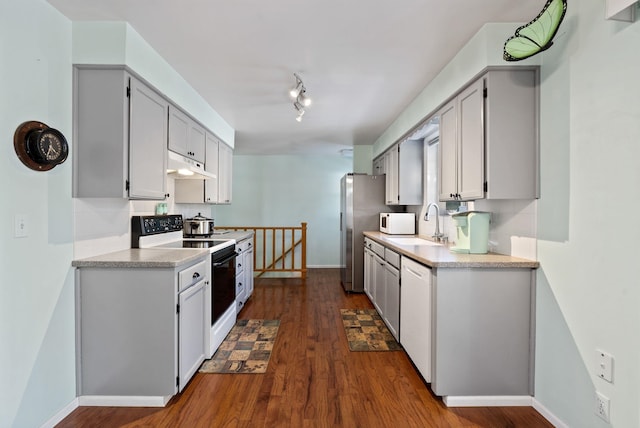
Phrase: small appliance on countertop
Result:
[472,232]
[198,226]
[398,223]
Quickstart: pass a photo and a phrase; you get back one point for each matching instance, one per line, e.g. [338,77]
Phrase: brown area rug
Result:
[246,349]
[366,331]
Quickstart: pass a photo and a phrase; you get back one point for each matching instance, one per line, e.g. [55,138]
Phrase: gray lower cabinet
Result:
[482,332]
[138,332]
[120,135]
[382,283]
[391,314]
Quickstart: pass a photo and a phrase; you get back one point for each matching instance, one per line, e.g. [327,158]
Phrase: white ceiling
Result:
[362,61]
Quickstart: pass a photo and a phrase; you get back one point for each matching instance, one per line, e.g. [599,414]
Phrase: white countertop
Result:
[440,256]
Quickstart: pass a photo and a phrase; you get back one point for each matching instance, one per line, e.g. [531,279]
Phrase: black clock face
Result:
[50,146]
[47,146]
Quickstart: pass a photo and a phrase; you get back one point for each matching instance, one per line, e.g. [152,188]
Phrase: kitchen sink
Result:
[412,241]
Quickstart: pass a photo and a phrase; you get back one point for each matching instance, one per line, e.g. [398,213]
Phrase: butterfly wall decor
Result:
[537,35]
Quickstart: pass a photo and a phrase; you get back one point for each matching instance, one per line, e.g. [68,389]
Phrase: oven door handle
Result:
[220,263]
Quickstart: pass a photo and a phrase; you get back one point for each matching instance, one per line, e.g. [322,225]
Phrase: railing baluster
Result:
[277,259]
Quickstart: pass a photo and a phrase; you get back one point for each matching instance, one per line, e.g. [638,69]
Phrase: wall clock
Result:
[40,147]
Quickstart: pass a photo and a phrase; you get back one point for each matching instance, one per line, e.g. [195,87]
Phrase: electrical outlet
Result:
[602,406]
[604,368]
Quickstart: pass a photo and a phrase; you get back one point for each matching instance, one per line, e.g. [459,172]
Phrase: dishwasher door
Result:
[415,315]
[191,327]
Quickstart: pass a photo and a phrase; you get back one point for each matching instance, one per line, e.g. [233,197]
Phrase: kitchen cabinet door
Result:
[378,288]
[368,272]
[415,315]
[448,166]
[391,309]
[248,268]
[191,332]
[186,137]
[178,131]
[470,171]
[120,131]
[225,171]
[462,146]
[197,142]
[147,136]
[211,165]
[378,166]
[403,173]
[391,180]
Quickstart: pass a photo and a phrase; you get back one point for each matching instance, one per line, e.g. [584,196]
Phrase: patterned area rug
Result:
[246,349]
[366,331]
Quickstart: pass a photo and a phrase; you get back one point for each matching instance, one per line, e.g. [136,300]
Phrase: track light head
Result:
[303,98]
[300,98]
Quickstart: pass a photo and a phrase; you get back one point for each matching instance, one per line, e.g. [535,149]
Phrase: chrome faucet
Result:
[437,233]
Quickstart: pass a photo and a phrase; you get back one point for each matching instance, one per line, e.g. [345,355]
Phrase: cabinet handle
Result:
[196,275]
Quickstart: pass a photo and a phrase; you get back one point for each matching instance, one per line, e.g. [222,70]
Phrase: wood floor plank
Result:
[313,379]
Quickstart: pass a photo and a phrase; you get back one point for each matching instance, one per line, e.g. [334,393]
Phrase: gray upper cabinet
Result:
[378,166]
[219,158]
[403,169]
[489,139]
[225,172]
[186,137]
[120,134]
[211,164]
[462,146]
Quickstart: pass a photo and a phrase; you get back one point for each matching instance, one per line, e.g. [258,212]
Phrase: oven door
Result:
[223,291]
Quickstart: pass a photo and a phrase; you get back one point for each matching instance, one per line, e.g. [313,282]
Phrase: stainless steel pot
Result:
[198,225]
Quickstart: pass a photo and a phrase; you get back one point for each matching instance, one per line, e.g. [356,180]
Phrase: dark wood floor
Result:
[313,380]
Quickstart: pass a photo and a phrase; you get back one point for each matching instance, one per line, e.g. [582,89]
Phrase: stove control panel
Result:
[153,224]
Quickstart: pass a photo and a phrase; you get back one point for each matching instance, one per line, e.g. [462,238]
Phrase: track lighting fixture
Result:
[300,98]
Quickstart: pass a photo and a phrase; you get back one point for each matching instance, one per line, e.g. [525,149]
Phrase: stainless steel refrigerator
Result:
[361,202]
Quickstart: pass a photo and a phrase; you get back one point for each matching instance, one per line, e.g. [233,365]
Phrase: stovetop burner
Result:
[195,244]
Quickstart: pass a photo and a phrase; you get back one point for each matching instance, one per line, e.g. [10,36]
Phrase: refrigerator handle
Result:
[340,221]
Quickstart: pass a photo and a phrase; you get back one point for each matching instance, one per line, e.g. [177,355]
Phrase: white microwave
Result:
[398,223]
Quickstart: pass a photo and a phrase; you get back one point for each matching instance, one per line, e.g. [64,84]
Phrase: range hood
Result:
[181,167]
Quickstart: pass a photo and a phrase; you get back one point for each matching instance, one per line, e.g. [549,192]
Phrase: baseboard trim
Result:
[63,413]
[123,401]
[546,413]
[488,401]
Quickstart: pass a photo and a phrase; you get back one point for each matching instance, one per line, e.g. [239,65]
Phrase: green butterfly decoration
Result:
[536,36]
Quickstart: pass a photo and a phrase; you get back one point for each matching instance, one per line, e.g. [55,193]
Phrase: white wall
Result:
[118,43]
[37,330]
[587,293]
[286,190]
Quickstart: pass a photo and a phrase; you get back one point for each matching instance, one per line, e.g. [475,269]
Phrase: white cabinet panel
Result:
[415,315]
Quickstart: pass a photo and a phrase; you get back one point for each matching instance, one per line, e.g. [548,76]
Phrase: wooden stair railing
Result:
[274,248]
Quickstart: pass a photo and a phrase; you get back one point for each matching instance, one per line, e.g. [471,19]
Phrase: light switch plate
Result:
[604,365]
[21,226]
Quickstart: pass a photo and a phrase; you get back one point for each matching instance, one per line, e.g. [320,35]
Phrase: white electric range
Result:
[166,231]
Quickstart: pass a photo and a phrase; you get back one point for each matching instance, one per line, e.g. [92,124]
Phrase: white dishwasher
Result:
[191,282]
[415,314]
